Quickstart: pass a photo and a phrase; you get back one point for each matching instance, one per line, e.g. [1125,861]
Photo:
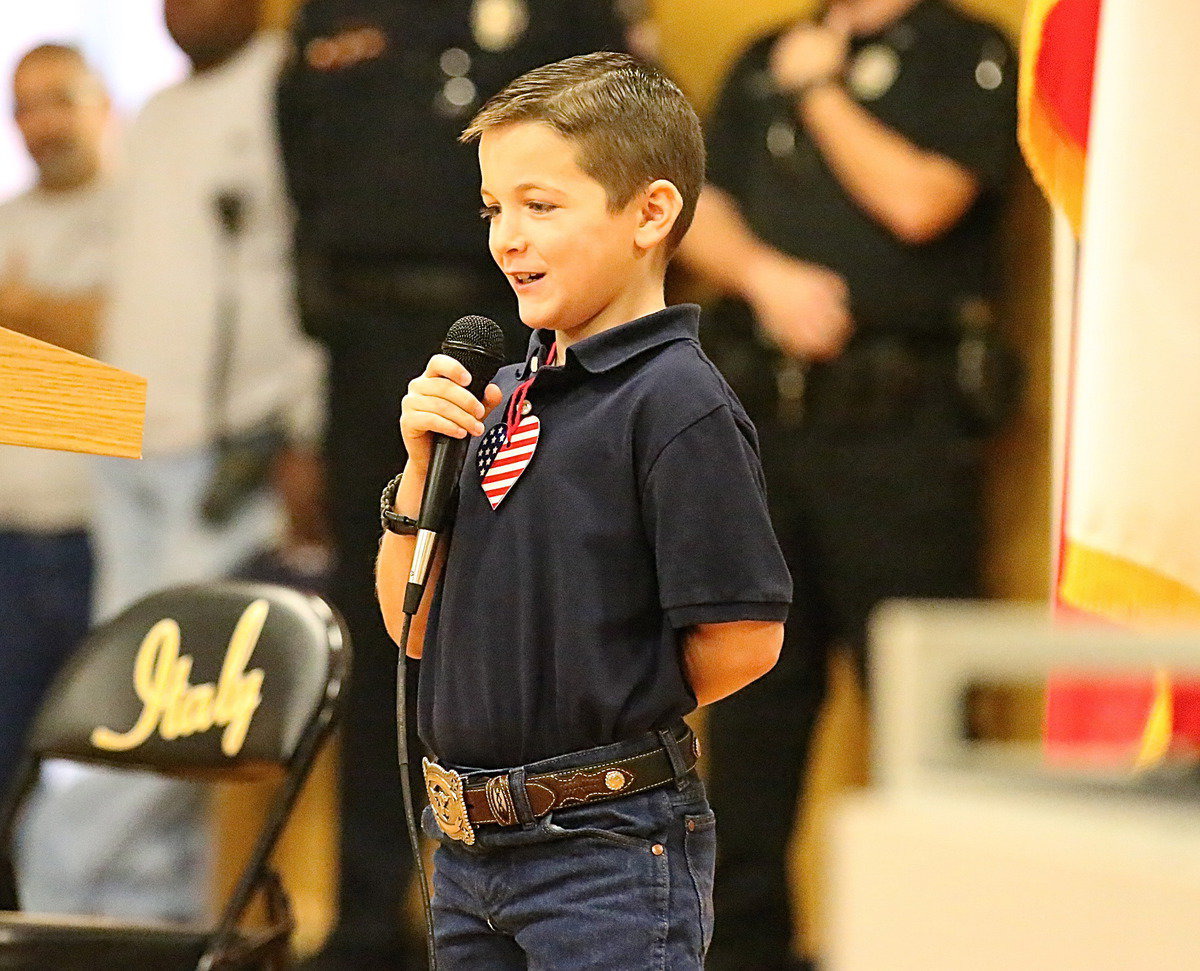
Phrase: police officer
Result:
[391,251]
[857,168]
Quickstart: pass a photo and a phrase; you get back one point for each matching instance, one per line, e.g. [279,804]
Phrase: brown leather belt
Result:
[459,807]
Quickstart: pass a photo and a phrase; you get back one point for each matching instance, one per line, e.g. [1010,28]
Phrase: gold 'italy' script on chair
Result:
[177,708]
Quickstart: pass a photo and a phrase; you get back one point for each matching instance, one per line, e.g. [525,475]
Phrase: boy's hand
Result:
[438,402]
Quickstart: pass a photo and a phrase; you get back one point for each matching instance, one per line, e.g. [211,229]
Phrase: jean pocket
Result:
[636,821]
[700,847]
[596,833]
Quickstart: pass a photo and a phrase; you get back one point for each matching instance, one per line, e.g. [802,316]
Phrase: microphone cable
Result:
[477,343]
[414,838]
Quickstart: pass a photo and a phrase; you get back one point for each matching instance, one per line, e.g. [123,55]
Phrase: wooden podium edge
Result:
[56,399]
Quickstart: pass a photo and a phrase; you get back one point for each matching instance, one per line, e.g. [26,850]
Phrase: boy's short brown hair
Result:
[632,125]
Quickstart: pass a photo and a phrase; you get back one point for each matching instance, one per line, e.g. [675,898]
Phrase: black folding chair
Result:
[224,681]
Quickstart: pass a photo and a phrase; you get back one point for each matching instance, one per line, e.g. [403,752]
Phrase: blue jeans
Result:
[624,884]
[45,595]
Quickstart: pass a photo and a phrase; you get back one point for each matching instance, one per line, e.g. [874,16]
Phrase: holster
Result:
[242,468]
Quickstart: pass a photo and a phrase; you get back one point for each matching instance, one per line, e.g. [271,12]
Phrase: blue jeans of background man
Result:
[623,884]
[45,603]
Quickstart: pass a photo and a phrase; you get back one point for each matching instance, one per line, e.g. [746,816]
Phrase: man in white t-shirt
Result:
[54,254]
[201,305]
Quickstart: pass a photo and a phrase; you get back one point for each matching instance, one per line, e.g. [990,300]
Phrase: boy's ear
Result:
[661,204]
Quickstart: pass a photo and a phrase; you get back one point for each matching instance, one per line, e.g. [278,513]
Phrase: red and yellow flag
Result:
[1058,59]
[1108,96]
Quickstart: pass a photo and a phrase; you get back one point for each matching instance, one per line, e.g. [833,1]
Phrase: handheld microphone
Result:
[477,343]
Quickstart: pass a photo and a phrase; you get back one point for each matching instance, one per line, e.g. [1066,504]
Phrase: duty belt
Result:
[462,802]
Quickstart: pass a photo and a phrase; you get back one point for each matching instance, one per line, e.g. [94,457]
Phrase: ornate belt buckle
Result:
[445,789]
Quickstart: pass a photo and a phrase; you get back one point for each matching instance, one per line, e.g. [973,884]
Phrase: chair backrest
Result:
[221,679]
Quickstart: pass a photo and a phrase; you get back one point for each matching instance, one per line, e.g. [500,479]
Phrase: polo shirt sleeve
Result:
[970,115]
[705,506]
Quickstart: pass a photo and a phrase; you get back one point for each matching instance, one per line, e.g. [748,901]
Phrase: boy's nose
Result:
[507,237]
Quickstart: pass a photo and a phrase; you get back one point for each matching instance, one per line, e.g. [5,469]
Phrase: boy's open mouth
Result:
[524,279]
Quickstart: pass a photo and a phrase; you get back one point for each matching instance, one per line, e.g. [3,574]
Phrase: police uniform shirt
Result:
[557,626]
[374,102]
[941,79]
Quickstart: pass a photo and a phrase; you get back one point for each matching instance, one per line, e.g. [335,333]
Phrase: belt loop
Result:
[520,798]
[678,766]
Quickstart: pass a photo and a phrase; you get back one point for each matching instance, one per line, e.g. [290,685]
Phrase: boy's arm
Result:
[437,402]
[393,563]
[719,659]
[723,582]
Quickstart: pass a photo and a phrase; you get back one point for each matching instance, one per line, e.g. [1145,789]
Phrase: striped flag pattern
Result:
[501,460]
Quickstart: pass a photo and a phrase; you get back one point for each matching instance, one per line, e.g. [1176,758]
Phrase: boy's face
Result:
[567,256]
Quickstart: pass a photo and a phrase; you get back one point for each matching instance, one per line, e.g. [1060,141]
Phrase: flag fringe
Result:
[1128,593]
[1123,591]
[1055,161]
[1160,724]
[1055,158]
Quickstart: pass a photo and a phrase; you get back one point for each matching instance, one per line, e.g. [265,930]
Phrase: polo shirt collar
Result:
[610,348]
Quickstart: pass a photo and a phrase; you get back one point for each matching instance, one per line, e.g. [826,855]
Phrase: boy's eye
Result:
[488,213]
[541,206]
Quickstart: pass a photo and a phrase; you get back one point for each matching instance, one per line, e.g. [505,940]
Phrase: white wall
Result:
[124,39]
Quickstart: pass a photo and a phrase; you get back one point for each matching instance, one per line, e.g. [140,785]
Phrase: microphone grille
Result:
[478,333]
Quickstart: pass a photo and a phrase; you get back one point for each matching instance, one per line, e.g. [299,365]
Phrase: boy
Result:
[617,569]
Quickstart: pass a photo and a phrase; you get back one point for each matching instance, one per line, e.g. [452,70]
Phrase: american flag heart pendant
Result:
[501,460]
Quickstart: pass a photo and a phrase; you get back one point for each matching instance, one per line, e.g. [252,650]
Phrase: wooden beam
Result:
[51,398]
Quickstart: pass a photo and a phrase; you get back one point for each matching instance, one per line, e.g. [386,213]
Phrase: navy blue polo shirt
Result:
[558,623]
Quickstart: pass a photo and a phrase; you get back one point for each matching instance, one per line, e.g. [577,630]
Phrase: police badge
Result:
[873,71]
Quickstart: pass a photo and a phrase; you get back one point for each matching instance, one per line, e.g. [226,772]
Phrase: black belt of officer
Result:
[878,377]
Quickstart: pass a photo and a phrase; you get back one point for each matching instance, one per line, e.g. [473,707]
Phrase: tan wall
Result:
[700,38]
[278,13]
